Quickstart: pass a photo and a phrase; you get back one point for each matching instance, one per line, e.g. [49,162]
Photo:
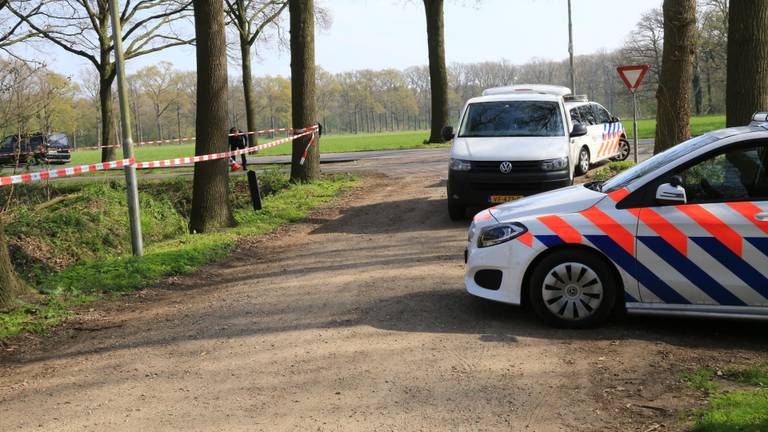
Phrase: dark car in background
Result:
[35,148]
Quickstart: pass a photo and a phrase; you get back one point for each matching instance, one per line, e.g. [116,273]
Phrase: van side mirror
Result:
[671,193]
[578,130]
[447,133]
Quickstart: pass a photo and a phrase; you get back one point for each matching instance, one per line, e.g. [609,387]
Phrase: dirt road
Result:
[356,321]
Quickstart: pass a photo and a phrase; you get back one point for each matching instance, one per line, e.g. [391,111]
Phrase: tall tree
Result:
[747,77]
[9,283]
[210,191]
[82,28]
[438,72]
[673,97]
[250,18]
[303,105]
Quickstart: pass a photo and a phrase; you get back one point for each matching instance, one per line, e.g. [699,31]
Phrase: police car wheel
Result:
[624,150]
[573,289]
[583,165]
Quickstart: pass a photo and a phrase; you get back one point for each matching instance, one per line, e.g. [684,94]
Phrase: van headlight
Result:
[460,165]
[497,234]
[554,164]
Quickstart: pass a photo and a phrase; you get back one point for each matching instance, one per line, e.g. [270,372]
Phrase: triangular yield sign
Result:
[632,75]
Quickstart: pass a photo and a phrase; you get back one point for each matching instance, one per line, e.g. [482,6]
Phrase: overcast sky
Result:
[377,34]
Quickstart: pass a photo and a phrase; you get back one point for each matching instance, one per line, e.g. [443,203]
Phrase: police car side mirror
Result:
[671,193]
[447,133]
[578,130]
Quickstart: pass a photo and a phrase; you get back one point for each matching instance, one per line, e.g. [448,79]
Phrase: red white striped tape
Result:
[175,140]
[63,172]
[306,150]
[194,159]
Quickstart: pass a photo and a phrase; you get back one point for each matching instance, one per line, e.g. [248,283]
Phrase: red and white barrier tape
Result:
[63,172]
[306,150]
[194,159]
[174,140]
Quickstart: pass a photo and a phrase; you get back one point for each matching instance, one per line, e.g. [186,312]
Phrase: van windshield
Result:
[512,119]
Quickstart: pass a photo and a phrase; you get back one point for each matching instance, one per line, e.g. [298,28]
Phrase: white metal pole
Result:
[570,48]
[634,120]
[125,119]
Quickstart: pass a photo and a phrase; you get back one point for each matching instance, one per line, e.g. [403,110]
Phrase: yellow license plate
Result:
[500,199]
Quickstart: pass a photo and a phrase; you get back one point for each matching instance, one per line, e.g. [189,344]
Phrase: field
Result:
[329,144]
[646,128]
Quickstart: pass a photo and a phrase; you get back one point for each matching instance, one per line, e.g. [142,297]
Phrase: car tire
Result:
[456,210]
[573,289]
[582,164]
[624,150]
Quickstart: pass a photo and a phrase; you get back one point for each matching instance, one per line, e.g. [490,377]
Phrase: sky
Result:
[379,34]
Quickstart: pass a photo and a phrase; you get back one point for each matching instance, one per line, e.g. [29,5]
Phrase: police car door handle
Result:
[762,216]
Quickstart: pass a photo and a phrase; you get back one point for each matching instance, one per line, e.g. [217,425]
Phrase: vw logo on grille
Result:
[505,167]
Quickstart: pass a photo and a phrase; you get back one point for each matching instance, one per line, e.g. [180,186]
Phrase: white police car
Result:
[685,232]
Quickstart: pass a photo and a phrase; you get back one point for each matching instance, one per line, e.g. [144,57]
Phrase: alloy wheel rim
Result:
[584,161]
[572,291]
[624,149]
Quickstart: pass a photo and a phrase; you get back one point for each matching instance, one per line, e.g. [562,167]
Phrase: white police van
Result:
[685,232]
[524,139]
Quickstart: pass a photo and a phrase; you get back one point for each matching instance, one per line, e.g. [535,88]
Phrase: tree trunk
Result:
[438,74]
[210,190]
[303,110]
[108,152]
[698,96]
[9,283]
[673,97]
[746,88]
[250,103]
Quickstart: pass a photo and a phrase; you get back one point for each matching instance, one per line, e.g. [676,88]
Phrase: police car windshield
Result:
[512,119]
[625,178]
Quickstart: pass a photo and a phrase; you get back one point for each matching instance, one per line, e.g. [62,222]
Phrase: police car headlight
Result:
[497,234]
[460,165]
[471,232]
[554,164]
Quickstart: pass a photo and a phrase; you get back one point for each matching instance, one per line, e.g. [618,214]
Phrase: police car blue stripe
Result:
[753,278]
[691,271]
[636,269]
[550,240]
[761,243]
[628,298]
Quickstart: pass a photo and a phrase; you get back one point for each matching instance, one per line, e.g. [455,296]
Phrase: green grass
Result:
[328,143]
[605,172]
[646,128]
[744,407]
[80,248]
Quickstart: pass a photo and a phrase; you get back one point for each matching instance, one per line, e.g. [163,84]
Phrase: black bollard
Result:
[253,185]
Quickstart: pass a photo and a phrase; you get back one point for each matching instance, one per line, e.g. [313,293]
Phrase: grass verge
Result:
[609,170]
[71,244]
[737,399]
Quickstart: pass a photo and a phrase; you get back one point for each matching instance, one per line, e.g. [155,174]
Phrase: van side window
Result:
[587,116]
[575,116]
[602,115]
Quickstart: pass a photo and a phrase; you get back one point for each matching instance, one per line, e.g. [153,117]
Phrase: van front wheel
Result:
[456,210]
[583,164]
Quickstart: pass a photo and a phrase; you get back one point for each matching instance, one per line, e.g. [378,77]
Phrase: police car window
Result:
[602,114]
[587,116]
[737,174]
[575,116]
[513,119]
[659,161]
